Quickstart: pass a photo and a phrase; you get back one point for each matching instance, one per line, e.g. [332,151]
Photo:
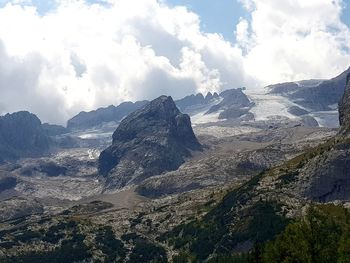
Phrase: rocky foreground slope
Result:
[149,141]
[262,208]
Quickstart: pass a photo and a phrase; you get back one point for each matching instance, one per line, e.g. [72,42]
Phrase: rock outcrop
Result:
[21,135]
[148,142]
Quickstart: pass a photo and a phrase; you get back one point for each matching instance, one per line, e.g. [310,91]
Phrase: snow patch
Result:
[201,117]
[269,106]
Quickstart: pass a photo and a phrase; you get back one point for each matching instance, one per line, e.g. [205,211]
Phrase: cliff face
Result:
[21,134]
[344,108]
[149,141]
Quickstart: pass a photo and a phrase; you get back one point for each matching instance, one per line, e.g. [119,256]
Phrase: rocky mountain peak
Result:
[151,140]
[21,134]
[344,108]
[210,96]
[160,113]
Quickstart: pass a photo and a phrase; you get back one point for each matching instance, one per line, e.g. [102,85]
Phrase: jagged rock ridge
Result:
[149,141]
[191,101]
[233,105]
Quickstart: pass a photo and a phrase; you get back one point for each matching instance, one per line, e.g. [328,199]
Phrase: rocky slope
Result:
[262,207]
[21,134]
[152,140]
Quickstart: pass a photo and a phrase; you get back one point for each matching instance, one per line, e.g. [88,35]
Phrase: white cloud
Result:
[294,39]
[80,56]
[95,55]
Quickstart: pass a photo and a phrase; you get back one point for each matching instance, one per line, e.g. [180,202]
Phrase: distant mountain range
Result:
[312,102]
[308,102]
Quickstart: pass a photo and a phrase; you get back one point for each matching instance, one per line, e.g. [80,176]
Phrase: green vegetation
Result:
[146,252]
[223,229]
[68,252]
[66,241]
[112,248]
[322,236]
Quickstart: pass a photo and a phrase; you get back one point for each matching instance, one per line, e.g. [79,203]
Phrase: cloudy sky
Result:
[58,57]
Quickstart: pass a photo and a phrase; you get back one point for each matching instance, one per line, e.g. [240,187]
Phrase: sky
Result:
[59,57]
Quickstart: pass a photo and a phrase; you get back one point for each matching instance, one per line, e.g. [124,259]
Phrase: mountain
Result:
[234,104]
[230,104]
[21,134]
[194,102]
[85,120]
[315,95]
[147,142]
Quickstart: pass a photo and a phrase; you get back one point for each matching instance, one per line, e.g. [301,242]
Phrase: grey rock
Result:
[309,121]
[21,134]
[189,103]
[85,120]
[328,176]
[233,113]
[234,104]
[344,108]
[19,207]
[148,142]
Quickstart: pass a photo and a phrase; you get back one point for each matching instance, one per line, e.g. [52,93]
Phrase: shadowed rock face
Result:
[325,177]
[316,95]
[151,140]
[21,134]
[344,108]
